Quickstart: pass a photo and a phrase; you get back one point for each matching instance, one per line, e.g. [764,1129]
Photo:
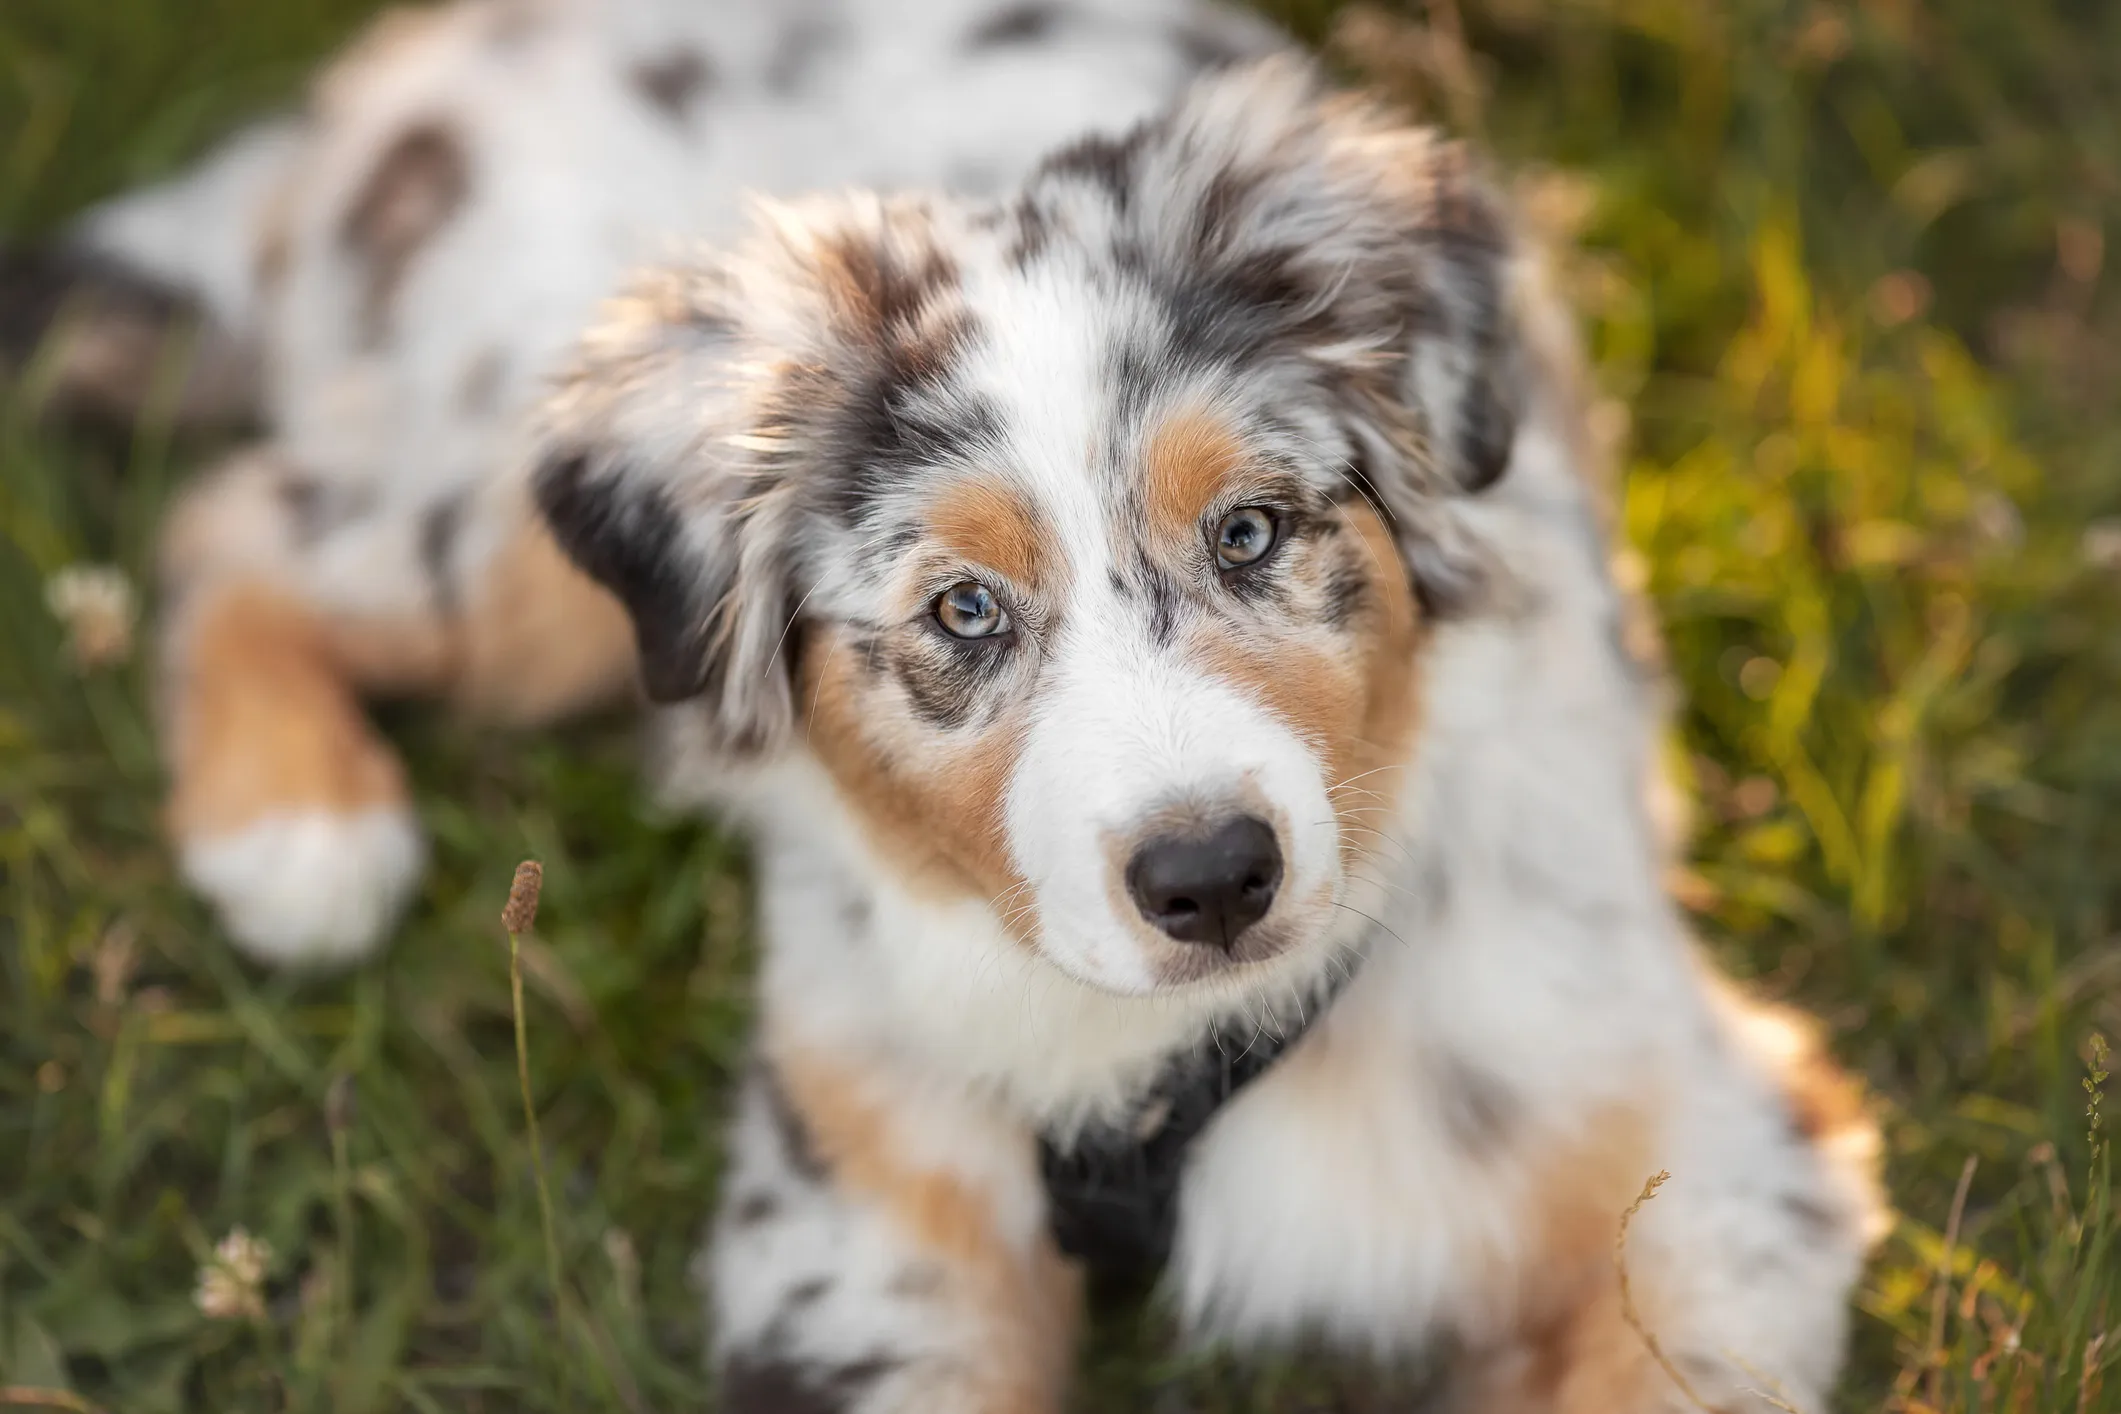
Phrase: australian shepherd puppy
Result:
[1155,618]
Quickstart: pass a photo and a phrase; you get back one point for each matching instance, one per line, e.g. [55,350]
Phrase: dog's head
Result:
[1087,540]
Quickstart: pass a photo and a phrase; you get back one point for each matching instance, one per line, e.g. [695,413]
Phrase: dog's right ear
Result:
[719,424]
[649,485]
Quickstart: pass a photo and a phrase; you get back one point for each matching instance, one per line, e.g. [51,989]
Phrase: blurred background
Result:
[1844,269]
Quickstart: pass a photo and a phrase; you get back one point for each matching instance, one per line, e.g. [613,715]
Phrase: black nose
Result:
[1207,888]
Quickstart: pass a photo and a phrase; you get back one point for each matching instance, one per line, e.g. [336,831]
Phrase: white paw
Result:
[310,887]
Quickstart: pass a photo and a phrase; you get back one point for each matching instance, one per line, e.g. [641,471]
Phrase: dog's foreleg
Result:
[881,1249]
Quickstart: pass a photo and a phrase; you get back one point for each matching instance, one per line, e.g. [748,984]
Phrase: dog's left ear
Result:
[1368,256]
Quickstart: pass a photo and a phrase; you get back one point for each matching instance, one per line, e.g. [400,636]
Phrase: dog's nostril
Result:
[1207,888]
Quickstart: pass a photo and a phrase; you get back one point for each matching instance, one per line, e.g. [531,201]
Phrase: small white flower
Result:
[1997,521]
[2101,544]
[233,1283]
[99,608]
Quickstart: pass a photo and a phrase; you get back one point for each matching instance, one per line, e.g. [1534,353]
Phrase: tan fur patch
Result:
[1359,710]
[982,522]
[938,817]
[1824,1099]
[265,720]
[1028,1298]
[1572,1350]
[541,639]
[1187,462]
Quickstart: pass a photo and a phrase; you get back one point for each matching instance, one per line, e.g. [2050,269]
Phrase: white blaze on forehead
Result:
[1121,726]
[1040,360]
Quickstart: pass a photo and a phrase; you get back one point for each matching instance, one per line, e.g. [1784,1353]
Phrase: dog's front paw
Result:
[310,887]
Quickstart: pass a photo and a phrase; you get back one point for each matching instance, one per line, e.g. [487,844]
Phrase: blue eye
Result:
[1244,538]
[970,610]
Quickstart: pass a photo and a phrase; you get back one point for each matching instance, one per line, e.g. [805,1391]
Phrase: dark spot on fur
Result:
[626,536]
[754,1208]
[1205,46]
[944,681]
[1812,1216]
[438,542]
[857,915]
[479,390]
[1222,207]
[1238,310]
[788,1126]
[306,502]
[671,83]
[317,508]
[1107,163]
[881,293]
[887,404]
[1259,588]
[1164,600]
[760,1383]
[417,186]
[1018,24]
[802,48]
[1034,232]
[1479,1109]
[806,1293]
[1347,592]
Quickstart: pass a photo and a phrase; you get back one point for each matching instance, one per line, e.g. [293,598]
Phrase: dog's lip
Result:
[1176,969]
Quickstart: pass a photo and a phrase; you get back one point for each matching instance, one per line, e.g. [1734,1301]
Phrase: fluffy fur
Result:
[774,461]
[1269,297]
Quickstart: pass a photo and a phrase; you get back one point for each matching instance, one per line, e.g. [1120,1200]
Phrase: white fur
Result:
[312,888]
[1515,925]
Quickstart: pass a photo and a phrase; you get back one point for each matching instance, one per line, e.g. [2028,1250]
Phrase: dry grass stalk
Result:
[517,918]
[1628,1312]
[1941,1300]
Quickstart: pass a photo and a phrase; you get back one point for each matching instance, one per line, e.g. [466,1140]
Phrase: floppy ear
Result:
[1366,252]
[647,482]
[700,454]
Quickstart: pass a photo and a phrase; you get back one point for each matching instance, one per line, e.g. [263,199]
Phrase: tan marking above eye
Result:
[1188,461]
[984,521]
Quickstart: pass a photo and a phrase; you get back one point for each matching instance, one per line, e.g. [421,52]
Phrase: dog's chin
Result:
[1140,966]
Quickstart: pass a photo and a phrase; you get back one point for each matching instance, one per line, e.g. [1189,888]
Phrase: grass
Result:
[1843,269]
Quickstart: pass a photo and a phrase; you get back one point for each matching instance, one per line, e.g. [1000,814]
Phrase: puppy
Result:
[1153,614]
[1157,626]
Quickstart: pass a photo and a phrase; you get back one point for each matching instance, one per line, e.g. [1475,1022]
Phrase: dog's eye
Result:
[1244,538]
[970,610]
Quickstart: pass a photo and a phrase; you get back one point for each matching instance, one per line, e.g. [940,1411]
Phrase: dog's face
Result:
[1088,540]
